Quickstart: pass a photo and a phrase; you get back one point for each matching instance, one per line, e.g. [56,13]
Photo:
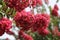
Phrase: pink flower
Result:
[55,31]
[25,36]
[58,34]
[5,24]
[24,20]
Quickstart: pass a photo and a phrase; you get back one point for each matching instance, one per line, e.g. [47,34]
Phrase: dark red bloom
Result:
[40,22]
[54,12]
[24,20]
[47,17]
[43,32]
[22,4]
[17,4]
[39,2]
[36,2]
[5,24]
[9,32]
[25,36]
[56,7]
[1,31]
[11,3]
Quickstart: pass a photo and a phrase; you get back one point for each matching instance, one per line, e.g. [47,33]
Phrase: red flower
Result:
[56,7]
[43,32]
[40,22]
[39,2]
[58,34]
[54,12]
[25,36]
[11,3]
[17,4]
[24,20]
[22,4]
[1,31]
[36,2]
[47,16]
[5,24]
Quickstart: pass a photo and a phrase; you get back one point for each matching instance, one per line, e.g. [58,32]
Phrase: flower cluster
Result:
[46,16]
[17,4]
[34,22]
[41,24]
[24,20]
[55,10]
[22,4]
[41,21]
[43,32]
[36,2]
[5,25]
[24,35]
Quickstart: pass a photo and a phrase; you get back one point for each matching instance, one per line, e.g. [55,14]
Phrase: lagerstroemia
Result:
[27,24]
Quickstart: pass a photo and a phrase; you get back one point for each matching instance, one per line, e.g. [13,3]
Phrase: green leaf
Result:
[1,15]
[57,1]
[50,9]
[0,2]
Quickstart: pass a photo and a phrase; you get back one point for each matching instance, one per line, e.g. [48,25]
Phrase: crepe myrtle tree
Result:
[31,26]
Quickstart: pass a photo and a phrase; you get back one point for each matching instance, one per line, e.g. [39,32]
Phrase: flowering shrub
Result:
[33,24]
